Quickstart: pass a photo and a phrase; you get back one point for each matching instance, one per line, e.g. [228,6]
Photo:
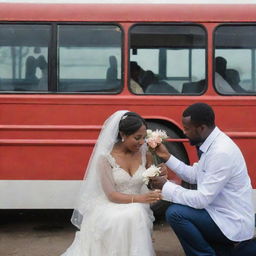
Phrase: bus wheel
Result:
[178,150]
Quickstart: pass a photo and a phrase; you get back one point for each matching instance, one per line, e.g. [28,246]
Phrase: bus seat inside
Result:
[161,88]
[193,87]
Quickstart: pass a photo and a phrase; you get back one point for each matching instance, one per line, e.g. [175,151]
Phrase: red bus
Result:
[64,68]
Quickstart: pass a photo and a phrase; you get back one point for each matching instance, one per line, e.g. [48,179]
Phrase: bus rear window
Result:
[79,58]
[235,51]
[89,58]
[167,59]
[24,57]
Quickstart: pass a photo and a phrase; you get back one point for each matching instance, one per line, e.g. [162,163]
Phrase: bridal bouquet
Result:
[154,138]
[151,172]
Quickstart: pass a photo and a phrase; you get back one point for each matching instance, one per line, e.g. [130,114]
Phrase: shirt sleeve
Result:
[185,172]
[106,176]
[215,176]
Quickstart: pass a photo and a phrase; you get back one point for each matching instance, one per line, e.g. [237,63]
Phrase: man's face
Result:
[193,133]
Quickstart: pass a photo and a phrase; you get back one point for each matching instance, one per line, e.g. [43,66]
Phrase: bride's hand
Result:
[150,197]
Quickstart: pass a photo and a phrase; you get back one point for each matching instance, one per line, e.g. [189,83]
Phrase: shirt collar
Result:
[209,140]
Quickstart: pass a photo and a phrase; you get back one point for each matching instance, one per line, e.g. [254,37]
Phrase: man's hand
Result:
[158,182]
[163,169]
[162,152]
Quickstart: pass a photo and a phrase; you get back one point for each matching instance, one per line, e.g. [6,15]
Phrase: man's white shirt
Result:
[223,186]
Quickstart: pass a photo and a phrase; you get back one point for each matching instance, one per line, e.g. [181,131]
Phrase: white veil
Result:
[91,185]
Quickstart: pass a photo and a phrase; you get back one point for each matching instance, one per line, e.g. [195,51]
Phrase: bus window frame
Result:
[49,45]
[227,24]
[168,24]
[53,51]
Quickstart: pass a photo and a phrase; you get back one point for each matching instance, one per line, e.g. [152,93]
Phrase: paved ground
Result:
[49,233]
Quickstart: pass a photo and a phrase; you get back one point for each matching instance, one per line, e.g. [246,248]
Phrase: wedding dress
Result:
[112,229]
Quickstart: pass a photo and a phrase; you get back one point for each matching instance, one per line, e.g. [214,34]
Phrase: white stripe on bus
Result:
[43,194]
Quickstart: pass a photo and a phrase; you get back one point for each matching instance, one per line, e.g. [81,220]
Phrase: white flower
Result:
[154,138]
[149,132]
[151,172]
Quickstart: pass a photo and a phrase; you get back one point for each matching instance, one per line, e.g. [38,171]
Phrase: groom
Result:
[217,217]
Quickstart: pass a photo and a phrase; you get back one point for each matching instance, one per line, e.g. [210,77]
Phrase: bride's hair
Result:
[130,123]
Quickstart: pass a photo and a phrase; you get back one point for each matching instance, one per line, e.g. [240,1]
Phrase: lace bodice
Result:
[124,182]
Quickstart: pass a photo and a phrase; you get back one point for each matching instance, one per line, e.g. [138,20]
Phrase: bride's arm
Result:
[108,186]
[149,159]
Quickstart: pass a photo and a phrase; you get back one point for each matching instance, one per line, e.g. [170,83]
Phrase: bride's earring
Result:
[122,139]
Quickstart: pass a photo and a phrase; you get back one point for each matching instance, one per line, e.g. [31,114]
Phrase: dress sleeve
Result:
[106,176]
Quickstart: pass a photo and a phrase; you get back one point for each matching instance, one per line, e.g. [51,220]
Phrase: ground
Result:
[49,233]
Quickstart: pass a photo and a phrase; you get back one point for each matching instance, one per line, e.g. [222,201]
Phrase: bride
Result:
[113,212]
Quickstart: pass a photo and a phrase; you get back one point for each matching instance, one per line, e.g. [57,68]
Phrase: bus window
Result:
[235,51]
[22,49]
[89,58]
[169,59]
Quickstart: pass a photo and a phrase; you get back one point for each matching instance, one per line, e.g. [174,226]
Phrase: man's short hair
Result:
[200,113]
